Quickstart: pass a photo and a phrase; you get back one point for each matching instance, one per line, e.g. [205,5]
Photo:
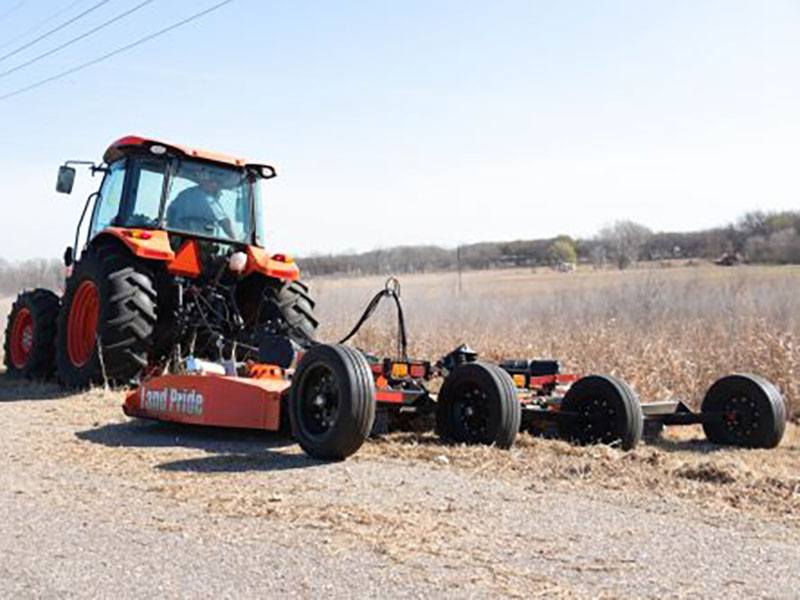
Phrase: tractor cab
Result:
[153,186]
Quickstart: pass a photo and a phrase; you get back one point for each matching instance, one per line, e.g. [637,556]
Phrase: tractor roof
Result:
[129,142]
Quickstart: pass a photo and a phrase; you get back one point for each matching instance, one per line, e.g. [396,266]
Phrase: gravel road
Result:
[95,505]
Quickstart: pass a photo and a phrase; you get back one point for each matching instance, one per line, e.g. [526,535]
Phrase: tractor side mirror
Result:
[262,171]
[68,257]
[66,179]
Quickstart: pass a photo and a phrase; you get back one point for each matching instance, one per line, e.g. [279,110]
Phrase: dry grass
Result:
[682,464]
[668,332]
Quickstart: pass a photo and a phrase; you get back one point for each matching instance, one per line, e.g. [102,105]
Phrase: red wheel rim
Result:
[82,323]
[21,338]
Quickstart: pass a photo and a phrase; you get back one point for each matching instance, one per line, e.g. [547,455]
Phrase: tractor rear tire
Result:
[478,404]
[30,332]
[332,402]
[756,412]
[607,412]
[289,309]
[111,298]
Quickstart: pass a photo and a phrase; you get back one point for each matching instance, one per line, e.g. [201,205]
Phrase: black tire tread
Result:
[775,423]
[357,398]
[633,426]
[510,411]
[43,305]
[293,303]
[128,316]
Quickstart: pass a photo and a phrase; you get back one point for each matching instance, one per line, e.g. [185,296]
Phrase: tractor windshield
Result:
[212,201]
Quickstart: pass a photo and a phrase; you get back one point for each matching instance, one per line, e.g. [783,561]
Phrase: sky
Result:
[419,122]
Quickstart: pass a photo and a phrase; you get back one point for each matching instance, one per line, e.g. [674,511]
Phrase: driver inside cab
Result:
[198,208]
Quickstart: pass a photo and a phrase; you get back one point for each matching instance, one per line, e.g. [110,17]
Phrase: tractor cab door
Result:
[109,200]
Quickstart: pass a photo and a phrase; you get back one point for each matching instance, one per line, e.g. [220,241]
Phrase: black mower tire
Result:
[340,376]
[763,407]
[39,308]
[289,309]
[609,413]
[478,404]
[126,320]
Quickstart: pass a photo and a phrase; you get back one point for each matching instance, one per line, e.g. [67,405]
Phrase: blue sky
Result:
[423,122]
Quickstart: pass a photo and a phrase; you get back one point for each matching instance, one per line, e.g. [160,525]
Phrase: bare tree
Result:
[624,241]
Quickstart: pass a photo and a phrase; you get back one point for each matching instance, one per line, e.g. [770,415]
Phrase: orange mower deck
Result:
[209,400]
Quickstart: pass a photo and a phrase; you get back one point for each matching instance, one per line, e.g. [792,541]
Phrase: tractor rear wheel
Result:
[288,309]
[755,413]
[30,332]
[332,402]
[604,410]
[478,404]
[111,299]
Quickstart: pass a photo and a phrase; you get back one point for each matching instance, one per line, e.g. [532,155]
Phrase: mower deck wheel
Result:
[478,404]
[755,413]
[332,402]
[604,411]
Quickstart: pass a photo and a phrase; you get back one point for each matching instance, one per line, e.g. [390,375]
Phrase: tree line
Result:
[40,272]
[759,237]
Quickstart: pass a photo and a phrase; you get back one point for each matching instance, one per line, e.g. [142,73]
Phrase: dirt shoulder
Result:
[94,504]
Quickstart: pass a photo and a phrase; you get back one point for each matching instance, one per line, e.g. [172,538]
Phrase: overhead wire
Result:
[117,51]
[77,39]
[38,25]
[54,30]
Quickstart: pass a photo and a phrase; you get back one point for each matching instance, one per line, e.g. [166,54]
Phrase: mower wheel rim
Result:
[319,401]
[597,421]
[472,412]
[84,314]
[742,417]
[21,338]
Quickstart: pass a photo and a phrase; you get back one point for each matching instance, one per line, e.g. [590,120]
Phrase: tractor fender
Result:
[154,244]
[276,266]
[144,243]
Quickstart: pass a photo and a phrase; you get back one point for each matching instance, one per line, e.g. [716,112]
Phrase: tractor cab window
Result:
[211,201]
[143,205]
[108,202]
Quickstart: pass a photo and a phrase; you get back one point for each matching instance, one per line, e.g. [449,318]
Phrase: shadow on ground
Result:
[695,445]
[266,460]
[18,390]
[230,450]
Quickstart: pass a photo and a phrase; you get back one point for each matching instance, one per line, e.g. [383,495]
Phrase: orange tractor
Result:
[169,288]
[174,253]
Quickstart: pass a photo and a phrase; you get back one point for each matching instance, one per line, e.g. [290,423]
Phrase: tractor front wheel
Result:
[30,332]
[107,319]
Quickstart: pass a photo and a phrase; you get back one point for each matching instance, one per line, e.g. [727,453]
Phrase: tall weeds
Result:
[669,333]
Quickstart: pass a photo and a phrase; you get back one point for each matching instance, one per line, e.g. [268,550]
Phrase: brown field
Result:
[678,517]
[669,332]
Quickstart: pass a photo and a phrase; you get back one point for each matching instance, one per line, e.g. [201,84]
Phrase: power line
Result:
[120,50]
[52,31]
[77,39]
[40,24]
